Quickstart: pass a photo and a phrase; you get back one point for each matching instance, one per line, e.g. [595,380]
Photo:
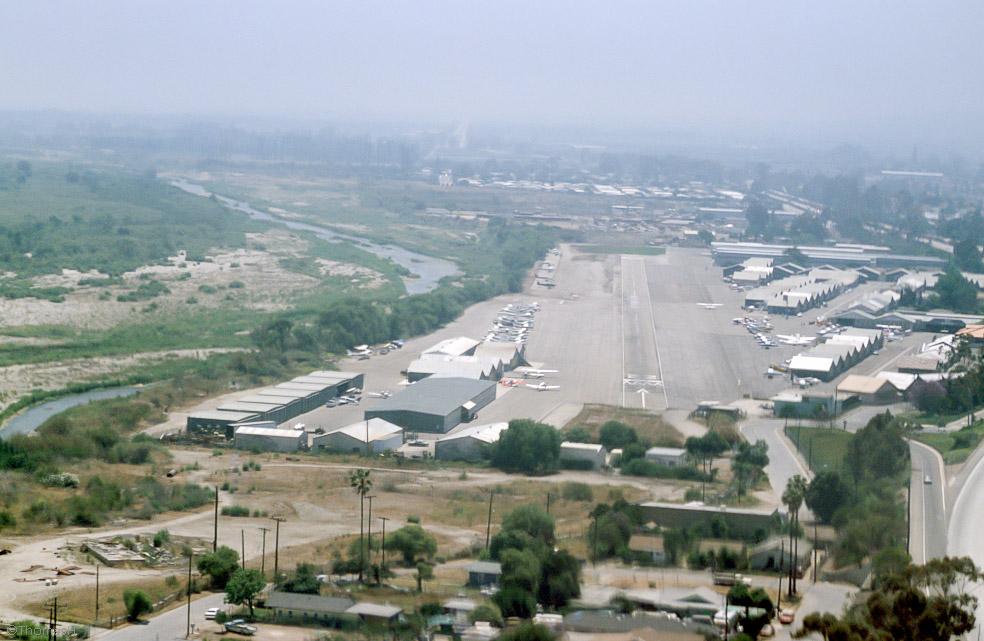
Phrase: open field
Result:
[625,250]
[821,448]
[955,446]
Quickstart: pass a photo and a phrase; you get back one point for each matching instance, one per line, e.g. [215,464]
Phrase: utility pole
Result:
[215,529]
[242,547]
[188,622]
[782,555]
[548,502]
[814,549]
[384,519]
[263,554]
[276,549]
[594,541]
[369,531]
[488,526]
[54,620]
[96,621]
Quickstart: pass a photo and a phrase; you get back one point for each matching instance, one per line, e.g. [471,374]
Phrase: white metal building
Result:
[270,440]
[667,456]
[593,452]
[467,444]
[383,436]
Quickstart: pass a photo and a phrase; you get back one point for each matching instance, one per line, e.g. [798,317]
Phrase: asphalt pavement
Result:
[784,461]
[169,626]
[927,524]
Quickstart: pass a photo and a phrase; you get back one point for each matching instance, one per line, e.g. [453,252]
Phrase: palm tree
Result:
[793,498]
[360,481]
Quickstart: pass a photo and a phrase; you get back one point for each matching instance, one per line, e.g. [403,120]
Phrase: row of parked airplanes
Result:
[513,323]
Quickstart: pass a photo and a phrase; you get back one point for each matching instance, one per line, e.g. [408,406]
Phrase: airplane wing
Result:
[532,386]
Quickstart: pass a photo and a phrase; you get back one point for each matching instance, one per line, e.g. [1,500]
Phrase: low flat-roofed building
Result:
[802,404]
[917,365]
[266,440]
[741,521]
[217,421]
[458,346]
[822,367]
[375,611]
[383,437]
[468,443]
[308,606]
[593,453]
[435,404]
[483,573]
[667,456]
[649,545]
[869,389]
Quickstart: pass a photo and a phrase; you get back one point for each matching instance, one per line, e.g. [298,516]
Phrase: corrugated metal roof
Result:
[440,396]
[265,431]
[377,427]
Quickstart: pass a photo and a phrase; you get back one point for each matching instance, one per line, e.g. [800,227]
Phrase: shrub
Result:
[235,510]
[642,467]
[137,603]
[161,538]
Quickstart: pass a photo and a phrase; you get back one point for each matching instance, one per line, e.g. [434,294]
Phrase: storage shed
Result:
[268,440]
[468,443]
[382,435]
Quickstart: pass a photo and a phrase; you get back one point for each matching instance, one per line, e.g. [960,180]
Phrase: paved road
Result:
[927,528]
[784,461]
[964,531]
[166,627]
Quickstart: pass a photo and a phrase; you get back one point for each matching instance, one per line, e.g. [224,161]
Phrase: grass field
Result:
[822,448]
[650,427]
[634,250]
[954,446]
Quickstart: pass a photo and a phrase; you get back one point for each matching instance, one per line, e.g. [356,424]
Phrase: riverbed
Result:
[428,270]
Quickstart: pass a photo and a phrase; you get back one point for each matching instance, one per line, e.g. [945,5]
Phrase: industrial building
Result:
[667,456]
[840,255]
[436,405]
[469,443]
[801,404]
[264,439]
[459,346]
[797,293]
[839,353]
[279,403]
[381,435]
[464,357]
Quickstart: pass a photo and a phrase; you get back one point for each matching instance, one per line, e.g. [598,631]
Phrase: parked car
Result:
[239,626]
[786,617]
[210,613]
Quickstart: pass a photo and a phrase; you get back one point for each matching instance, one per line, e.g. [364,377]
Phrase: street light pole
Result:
[215,527]
[188,622]
[383,564]
[369,531]
[263,554]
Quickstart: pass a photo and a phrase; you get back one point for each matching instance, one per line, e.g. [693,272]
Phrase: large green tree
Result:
[529,447]
[413,542]
[243,586]
[826,494]
[219,565]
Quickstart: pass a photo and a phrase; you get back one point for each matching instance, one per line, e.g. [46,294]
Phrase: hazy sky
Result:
[871,67]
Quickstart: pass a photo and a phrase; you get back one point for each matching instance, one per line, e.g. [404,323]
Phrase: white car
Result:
[210,613]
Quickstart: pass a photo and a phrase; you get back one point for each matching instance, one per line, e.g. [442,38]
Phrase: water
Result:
[428,270]
[28,421]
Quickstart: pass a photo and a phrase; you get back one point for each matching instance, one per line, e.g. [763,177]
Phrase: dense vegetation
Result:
[528,447]
[106,221]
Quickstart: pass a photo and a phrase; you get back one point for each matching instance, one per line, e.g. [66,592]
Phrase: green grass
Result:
[954,446]
[823,448]
[635,250]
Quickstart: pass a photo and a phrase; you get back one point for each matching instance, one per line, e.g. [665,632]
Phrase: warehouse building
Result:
[454,367]
[468,444]
[262,439]
[459,346]
[216,422]
[870,390]
[583,453]
[797,404]
[382,436]
[279,403]
[436,405]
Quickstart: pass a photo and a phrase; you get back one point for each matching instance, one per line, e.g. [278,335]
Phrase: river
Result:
[428,270]
[29,420]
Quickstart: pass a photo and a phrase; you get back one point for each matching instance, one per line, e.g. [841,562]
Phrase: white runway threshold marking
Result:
[633,380]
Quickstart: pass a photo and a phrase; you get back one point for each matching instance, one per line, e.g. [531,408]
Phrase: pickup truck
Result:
[239,626]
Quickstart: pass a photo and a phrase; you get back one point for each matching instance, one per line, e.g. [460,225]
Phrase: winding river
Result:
[428,270]
[29,420]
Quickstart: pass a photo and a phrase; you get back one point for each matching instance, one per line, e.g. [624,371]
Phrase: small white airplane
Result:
[796,339]
[360,352]
[541,372]
[543,387]
[709,305]
[383,394]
